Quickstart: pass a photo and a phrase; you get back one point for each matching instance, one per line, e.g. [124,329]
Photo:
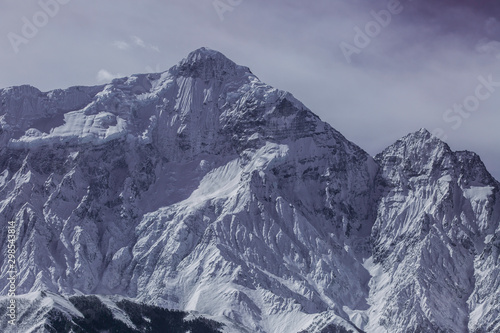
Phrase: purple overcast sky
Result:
[418,68]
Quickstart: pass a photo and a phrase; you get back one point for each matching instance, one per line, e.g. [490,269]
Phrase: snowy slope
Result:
[205,190]
[49,312]
[437,211]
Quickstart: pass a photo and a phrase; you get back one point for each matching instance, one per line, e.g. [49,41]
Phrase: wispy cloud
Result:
[489,47]
[121,45]
[138,42]
[135,42]
[105,76]
[492,26]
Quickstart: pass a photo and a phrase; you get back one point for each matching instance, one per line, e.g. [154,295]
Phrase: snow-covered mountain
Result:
[203,189]
[434,268]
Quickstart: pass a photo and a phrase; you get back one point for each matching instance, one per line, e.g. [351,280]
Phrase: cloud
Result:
[489,47]
[135,42]
[492,26]
[121,45]
[105,76]
[138,41]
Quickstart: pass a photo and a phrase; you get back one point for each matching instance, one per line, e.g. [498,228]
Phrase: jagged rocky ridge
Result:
[204,190]
[92,314]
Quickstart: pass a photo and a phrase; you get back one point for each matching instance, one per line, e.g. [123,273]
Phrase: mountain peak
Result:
[207,63]
[420,141]
[204,53]
[418,152]
[422,135]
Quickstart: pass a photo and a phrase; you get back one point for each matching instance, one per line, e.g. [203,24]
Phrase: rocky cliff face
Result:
[205,190]
[437,212]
